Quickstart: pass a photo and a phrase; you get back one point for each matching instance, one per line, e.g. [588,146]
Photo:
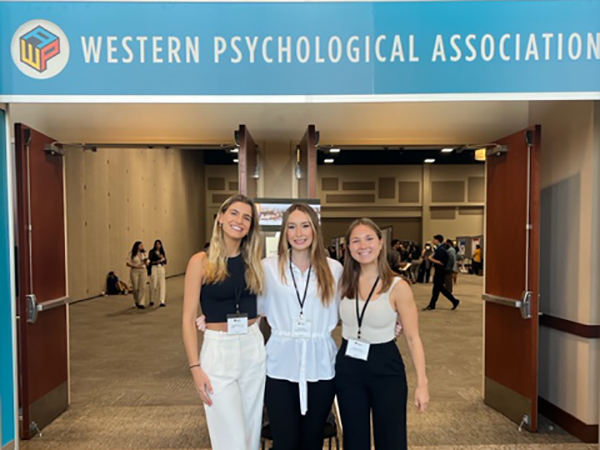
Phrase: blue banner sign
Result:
[289,49]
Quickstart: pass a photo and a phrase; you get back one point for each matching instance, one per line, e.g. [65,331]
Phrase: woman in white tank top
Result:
[370,374]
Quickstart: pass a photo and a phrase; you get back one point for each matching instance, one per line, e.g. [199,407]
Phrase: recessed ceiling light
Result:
[429,161]
[235,150]
[334,150]
[329,161]
[236,160]
[447,150]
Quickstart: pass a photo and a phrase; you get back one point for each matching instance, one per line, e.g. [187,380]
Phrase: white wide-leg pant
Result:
[158,284]
[236,367]
[138,283]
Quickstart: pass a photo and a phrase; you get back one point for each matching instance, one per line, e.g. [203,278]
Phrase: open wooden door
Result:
[42,285]
[512,246]
[308,163]
[248,170]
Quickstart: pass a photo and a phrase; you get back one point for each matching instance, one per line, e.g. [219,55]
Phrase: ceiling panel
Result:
[426,123]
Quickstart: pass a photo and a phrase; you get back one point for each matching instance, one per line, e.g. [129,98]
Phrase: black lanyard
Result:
[238,296]
[301,301]
[359,317]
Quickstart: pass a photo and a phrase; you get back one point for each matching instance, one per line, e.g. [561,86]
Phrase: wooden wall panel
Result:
[118,196]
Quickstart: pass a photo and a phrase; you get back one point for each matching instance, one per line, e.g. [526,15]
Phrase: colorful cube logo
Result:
[39,46]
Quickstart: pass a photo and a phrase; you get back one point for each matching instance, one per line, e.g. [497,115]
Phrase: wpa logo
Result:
[40,49]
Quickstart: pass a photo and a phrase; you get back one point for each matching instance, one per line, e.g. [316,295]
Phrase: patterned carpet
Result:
[131,388]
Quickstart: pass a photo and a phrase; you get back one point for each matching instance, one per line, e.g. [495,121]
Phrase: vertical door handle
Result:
[32,308]
[526,305]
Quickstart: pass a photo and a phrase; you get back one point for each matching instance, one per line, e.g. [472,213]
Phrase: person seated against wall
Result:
[114,286]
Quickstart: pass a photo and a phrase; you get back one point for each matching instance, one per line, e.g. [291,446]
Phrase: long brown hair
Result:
[349,285]
[215,270]
[318,255]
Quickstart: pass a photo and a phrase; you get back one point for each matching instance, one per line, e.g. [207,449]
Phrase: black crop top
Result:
[219,299]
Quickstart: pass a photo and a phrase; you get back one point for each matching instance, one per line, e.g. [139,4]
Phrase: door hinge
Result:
[529,227]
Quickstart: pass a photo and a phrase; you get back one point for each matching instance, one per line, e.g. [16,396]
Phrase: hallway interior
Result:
[130,387]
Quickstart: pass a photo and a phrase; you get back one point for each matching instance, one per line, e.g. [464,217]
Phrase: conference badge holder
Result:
[237,323]
[356,348]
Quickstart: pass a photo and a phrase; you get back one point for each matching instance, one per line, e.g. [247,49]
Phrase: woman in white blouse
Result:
[301,303]
[300,300]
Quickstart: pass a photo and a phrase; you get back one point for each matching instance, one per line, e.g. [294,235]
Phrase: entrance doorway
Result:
[278,165]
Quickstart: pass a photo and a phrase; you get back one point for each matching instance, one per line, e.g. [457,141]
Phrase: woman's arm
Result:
[403,300]
[191,302]
[130,263]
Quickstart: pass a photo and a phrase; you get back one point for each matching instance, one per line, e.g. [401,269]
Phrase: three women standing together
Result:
[303,294]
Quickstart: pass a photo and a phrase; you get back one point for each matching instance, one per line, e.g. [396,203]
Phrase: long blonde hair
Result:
[318,256]
[349,285]
[215,269]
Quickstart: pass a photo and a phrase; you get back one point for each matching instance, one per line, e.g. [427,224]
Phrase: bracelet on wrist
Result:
[194,365]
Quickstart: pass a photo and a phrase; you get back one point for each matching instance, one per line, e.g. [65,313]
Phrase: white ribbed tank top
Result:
[379,322]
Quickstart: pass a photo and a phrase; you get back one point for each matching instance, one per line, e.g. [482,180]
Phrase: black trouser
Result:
[449,281]
[377,385]
[424,273]
[440,288]
[291,430]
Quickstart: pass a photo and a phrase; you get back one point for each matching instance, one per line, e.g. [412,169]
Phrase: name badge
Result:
[301,328]
[358,349]
[237,323]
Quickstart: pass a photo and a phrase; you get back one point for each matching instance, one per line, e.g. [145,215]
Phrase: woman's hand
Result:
[421,398]
[398,329]
[203,386]
[201,323]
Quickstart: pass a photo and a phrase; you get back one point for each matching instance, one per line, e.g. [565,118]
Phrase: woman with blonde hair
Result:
[300,302]
[229,374]
[370,375]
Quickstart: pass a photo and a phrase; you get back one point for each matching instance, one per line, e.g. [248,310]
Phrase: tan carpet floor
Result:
[130,387]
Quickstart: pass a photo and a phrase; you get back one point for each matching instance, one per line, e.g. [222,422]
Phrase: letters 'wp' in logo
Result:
[38,46]
[40,49]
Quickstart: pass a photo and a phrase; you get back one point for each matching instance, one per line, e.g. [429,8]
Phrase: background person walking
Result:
[158,279]
[137,260]
[440,261]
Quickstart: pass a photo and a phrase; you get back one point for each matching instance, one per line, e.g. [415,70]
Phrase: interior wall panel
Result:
[118,196]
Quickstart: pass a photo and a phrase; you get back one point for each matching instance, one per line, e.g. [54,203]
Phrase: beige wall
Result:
[404,228]
[459,214]
[570,158]
[277,174]
[225,176]
[118,196]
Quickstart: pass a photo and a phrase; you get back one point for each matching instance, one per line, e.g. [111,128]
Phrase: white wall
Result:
[570,159]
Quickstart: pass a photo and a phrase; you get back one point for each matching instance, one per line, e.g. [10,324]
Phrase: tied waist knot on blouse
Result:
[299,360]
